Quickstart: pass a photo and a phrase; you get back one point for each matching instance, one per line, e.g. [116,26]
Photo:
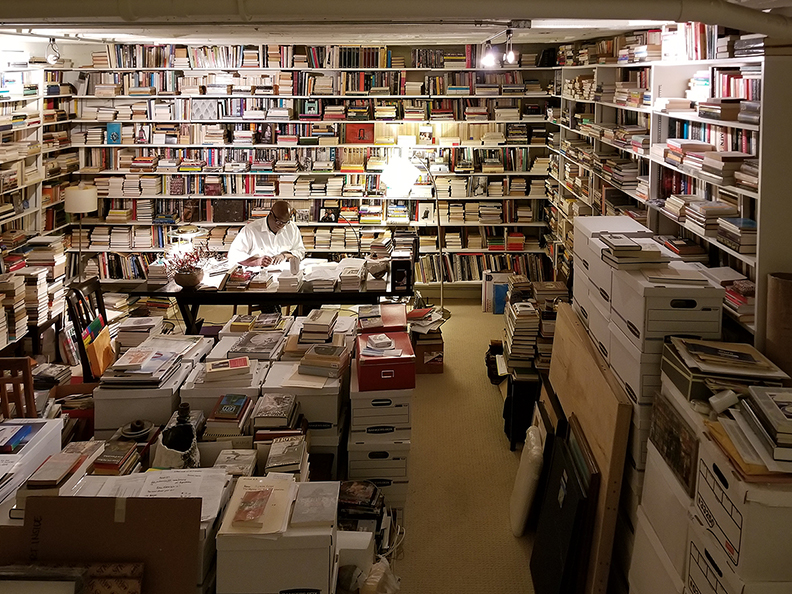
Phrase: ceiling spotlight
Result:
[53,53]
[488,59]
[509,55]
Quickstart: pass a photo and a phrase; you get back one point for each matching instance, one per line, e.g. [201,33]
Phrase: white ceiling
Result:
[346,21]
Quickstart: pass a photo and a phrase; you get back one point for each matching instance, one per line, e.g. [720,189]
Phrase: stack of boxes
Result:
[628,316]
[701,527]
[381,390]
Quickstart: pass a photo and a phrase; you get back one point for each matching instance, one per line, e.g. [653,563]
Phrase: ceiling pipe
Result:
[103,12]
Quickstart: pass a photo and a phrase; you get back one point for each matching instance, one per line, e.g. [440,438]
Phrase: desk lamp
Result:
[80,200]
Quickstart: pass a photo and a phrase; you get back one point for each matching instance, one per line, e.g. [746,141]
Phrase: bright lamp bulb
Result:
[488,59]
[53,53]
[509,57]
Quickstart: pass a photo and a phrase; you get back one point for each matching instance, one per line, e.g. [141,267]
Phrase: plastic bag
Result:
[380,579]
[165,457]
[531,462]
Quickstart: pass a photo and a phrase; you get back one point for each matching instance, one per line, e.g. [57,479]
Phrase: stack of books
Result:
[520,332]
[318,327]
[275,412]
[738,234]
[12,287]
[351,278]
[324,360]
[118,458]
[626,253]
[720,108]
[719,167]
[133,331]
[676,204]
[740,300]
[288,454]
[141,367]
[702,217]
[747,176]
[241,323]
[258,345]
[36,299]
[766,410]
[229,417]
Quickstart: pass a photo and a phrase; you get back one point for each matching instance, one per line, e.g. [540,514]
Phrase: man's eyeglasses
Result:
[279,222]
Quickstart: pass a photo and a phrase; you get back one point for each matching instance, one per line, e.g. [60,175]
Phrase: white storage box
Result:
[394,489]
[638,371]
[321,407]
[709,571]
[379,408]
[651,310]
[751,522]
[220,350]
[632,485]
[598,327]
[651,571]
[667,507]
[588,260]
[115,407]
[299,559]
[356,548]
[639,433]
[374,456]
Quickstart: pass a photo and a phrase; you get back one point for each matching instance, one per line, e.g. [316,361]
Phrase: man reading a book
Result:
[268,241]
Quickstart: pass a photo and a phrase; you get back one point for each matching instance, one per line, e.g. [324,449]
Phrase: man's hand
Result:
[257,261]
[280,257]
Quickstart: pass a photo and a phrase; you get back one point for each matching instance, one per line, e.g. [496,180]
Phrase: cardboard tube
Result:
[778,343]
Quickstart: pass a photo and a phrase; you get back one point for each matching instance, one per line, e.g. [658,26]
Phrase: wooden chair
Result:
[16,375]
[84,302]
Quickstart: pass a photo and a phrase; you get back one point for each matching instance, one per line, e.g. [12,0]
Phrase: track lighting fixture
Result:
[53,53]
[488,59]
[509,56]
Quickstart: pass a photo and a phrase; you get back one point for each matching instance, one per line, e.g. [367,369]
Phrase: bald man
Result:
[268,241]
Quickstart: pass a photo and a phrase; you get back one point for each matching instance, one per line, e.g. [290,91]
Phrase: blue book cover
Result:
[113,133]
[499,297]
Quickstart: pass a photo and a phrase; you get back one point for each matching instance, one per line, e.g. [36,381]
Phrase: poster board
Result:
[586,388]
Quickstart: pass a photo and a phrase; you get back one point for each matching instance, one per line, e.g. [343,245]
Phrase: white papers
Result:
[206,483]
[298,380]
[747,452]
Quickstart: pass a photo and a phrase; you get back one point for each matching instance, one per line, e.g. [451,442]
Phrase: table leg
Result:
[188,314]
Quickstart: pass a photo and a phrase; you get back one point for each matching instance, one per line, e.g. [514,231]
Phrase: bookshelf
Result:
[278,126]
[594,127]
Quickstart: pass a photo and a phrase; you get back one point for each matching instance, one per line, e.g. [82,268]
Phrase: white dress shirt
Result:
[256,239]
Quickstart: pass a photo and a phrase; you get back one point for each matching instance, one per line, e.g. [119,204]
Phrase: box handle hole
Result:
[684,303]
[712,562]
[721,477]
[382,402]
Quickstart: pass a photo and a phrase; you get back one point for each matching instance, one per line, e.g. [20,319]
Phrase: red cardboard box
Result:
[387,373]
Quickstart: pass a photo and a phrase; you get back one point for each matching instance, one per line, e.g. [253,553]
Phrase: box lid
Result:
[637,281]
[596,226]
[401,340]
[394,319]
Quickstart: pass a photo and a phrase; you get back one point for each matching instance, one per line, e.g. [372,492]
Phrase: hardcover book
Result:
[273,410]
[316,504]
[286,454]
[229,407]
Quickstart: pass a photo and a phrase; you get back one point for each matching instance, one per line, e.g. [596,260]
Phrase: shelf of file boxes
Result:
[697,519]
[381,388]
[630,293]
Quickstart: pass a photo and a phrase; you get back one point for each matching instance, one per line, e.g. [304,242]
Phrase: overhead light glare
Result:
[53,53]
[488,59]
[509,56]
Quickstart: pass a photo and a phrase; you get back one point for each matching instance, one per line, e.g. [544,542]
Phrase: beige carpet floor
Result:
[458,538]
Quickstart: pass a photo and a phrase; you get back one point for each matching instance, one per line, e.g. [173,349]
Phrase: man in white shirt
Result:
[268,241]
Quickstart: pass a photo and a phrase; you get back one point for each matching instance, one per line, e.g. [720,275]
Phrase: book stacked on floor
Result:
[702,217]
[520,332]
[740,300]
[133,331]
[549,291]
[361,506]
[738,234]
[544,341]
[202,395]
[229,417]
[118,458]
[258,345]
[324,360]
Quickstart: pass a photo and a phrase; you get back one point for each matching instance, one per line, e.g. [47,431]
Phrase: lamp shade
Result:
[80,199]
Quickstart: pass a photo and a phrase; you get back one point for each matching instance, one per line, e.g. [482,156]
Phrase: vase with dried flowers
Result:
[187,263]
